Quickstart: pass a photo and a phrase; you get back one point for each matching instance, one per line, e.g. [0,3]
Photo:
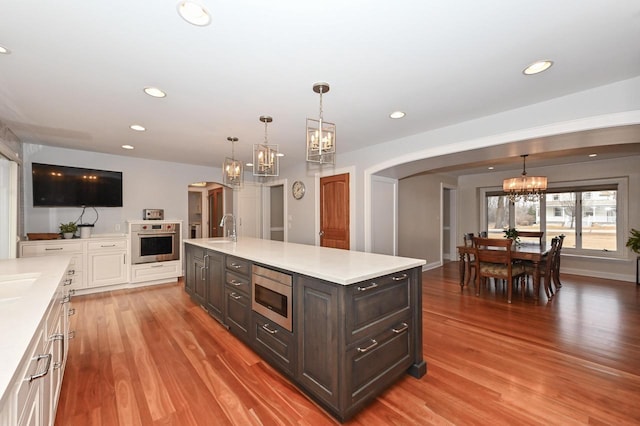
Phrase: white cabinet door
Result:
[107,263]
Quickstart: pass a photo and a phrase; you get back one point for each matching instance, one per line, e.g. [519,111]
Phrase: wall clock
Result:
[297,189]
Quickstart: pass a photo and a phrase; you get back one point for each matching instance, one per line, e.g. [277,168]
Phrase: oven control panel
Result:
[154,228]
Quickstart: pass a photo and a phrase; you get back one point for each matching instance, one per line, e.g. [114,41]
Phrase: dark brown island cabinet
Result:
[341,342]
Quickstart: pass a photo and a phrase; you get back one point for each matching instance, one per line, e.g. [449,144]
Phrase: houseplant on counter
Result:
[68,229]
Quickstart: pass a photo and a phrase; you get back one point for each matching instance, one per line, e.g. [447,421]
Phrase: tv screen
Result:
[62,186]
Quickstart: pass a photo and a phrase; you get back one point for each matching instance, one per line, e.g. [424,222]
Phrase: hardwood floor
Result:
[152,357]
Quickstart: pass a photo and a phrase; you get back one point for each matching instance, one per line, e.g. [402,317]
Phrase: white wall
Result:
[146,184]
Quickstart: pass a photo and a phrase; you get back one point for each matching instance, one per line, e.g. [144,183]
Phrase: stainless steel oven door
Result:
[155,247]
[272,296]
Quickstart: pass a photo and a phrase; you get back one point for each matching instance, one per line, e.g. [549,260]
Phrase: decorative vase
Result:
[67,235]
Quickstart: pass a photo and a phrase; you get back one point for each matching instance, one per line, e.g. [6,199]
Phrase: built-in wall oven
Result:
[272,295]
[155,242]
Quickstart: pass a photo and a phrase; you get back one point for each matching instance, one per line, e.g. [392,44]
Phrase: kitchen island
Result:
[342,325]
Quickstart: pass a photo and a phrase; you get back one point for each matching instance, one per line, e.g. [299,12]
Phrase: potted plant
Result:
[512,234]
[68,229]
[634,241]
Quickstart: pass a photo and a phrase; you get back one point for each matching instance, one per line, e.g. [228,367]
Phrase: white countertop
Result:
[338,266]
[22,309]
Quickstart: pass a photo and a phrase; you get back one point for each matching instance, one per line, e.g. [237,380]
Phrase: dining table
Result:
[533,252]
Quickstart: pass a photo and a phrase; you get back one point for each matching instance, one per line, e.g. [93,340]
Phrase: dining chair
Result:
[532,234]
[493,260]
[546,267]
[470,258]
[556,263]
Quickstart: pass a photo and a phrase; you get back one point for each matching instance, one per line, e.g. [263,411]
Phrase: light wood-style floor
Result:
[152,357]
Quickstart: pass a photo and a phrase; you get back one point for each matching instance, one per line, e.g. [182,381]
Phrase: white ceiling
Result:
[77,69]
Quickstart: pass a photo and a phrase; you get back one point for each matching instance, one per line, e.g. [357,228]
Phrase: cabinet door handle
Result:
[235,296]
[400,278]
[235,283]
[202,268]
[236,266]
[72,311]
[268,330]
[373,344]
[44,371]
[369,287]
[403,327]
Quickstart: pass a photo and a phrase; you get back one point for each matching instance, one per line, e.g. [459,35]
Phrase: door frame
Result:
[351,171]
[266,208]
[453,222]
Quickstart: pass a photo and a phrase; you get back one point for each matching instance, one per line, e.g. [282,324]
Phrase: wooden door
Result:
[215,212]
[334,211]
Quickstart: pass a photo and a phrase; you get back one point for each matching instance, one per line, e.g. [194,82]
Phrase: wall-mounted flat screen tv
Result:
[63,186]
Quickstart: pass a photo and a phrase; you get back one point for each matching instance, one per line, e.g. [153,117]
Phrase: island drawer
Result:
[237,282]
[239,266]
[238,309]
[274,343]
[373,363]
[373,306]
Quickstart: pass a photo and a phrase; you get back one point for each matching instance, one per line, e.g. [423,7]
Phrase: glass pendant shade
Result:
[523,187]
[321,135]
[266,161]
[232,173]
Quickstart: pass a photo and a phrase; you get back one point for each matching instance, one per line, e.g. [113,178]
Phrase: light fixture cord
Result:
[524,165]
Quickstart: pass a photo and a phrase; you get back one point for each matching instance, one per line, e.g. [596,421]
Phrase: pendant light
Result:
[266,161]
[525,188]
[321,135]
[232,174]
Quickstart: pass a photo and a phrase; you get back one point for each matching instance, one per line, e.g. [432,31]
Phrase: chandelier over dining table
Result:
[524,187]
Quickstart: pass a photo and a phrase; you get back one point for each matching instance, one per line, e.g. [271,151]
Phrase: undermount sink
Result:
[13,287]
[218,241]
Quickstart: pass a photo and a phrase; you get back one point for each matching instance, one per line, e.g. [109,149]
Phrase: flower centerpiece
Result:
[512,234]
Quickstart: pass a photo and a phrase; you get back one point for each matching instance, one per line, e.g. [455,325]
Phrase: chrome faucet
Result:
[231,235]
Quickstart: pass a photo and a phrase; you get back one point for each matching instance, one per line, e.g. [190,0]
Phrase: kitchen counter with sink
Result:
[27,287]
[341,325]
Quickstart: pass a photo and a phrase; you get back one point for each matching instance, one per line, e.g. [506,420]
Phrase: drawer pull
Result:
[68,281]
[235,296]
[71,272]
[400,278]
[157,266]
[53,248]
[268,330]
[373,344]
[236,266]
[369,287]
[72,334]
[404,327]
[235,283]
[44,371]
[72,311]
[107,245]
[66,299]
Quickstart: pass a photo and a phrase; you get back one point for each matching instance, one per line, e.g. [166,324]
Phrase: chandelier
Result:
[321,135]
[525,188]
[266,161]
[232,169]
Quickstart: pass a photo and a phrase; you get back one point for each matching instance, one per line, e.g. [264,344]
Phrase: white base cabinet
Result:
[107,262]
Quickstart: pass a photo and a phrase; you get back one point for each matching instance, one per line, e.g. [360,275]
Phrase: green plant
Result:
[512,234]
[634,241]
[68,227]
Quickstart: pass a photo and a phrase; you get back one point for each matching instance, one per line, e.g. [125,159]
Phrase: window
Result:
[586,214]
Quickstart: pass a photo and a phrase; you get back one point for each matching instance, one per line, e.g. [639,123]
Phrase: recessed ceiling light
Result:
[490,167]
[249,164]
[593,155]
[280,154]
[194,13]
[537,67]
[127,146]
[137,128]
[155,92]
[4,50]
[397,114]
